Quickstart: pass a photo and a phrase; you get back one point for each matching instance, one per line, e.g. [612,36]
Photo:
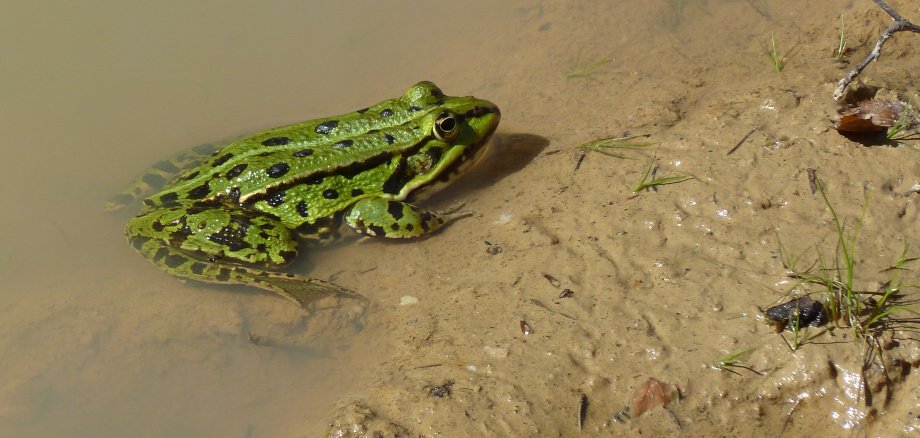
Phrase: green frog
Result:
[236,213]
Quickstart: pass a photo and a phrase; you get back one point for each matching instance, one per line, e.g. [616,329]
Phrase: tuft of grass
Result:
[647,183]
[609,145]
[867,313]
[583,71]
[776,59]
[840,53]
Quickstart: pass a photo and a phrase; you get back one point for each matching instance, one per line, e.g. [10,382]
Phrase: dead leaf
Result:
[872,115]
[651,394]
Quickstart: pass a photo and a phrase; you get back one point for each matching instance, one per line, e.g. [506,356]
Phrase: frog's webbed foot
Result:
[302,290]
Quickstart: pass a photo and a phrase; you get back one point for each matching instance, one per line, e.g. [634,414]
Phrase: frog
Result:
[239,212]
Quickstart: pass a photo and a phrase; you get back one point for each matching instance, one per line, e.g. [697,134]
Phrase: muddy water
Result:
[96,341]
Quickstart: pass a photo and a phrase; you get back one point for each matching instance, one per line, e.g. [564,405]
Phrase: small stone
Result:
[407,300]
[496,352]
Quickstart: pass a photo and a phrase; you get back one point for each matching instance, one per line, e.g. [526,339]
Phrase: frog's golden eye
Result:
[446,127]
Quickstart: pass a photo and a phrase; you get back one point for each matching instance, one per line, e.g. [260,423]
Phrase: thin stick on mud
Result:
[899,25]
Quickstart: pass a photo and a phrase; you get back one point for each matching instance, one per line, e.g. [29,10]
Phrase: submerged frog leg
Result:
[225,246]
[381,217]
[161,174]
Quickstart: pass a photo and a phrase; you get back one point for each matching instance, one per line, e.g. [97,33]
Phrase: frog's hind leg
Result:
[231,247]
[297,288]
[160,174]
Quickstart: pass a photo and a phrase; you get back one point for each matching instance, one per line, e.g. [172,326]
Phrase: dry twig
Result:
[899,25]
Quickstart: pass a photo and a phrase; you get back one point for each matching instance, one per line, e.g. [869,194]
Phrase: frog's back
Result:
[309,170]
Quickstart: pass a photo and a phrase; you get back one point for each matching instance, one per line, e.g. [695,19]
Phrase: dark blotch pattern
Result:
[343,144]
[276,141]
[303,153]
[234,195]
[200,191]
[413,109]
[197,268]
[330,194]
[230,237]
[160,254]
[435,153]
[138,242]
[356,192]
[222,159]
[169,199]
[389,139]
[223,275]
[395,209]
[288,256]
[155,181]
[397,179]
[278,170]
[302,209]
[275,199]
[191,175]
[327,127]
[235,171]
[174,260]
[166,166]
[386,113]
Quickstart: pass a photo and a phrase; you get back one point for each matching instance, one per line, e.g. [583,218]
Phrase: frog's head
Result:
[458,130]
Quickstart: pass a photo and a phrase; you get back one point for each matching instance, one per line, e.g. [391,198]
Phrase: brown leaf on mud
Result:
[873,115]
[651,394]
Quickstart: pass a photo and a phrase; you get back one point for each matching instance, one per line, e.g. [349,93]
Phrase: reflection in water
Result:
[92,340]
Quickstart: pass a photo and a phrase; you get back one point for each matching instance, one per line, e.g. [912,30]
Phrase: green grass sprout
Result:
[905,120]
[583,71]
[735,360]
[840,53]
[778,61]
[646,183]
[609,145]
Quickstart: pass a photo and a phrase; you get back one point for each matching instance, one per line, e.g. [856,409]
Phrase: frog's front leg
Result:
[381,217]
[219,245]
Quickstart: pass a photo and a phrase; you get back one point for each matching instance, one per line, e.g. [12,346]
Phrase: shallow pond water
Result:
[95,341]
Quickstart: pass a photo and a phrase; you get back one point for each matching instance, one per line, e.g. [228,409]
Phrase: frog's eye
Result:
[446,127]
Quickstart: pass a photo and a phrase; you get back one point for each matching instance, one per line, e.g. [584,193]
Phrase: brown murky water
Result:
[94,341]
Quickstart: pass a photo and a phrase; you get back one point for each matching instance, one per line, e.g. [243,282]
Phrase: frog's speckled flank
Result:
[233,216]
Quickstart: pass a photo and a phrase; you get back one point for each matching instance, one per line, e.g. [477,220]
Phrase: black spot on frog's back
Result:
[276,141]
[278,170]
[222,159]
[200,191]
[275,198]
[326,127]
[235,171]
[169,199]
